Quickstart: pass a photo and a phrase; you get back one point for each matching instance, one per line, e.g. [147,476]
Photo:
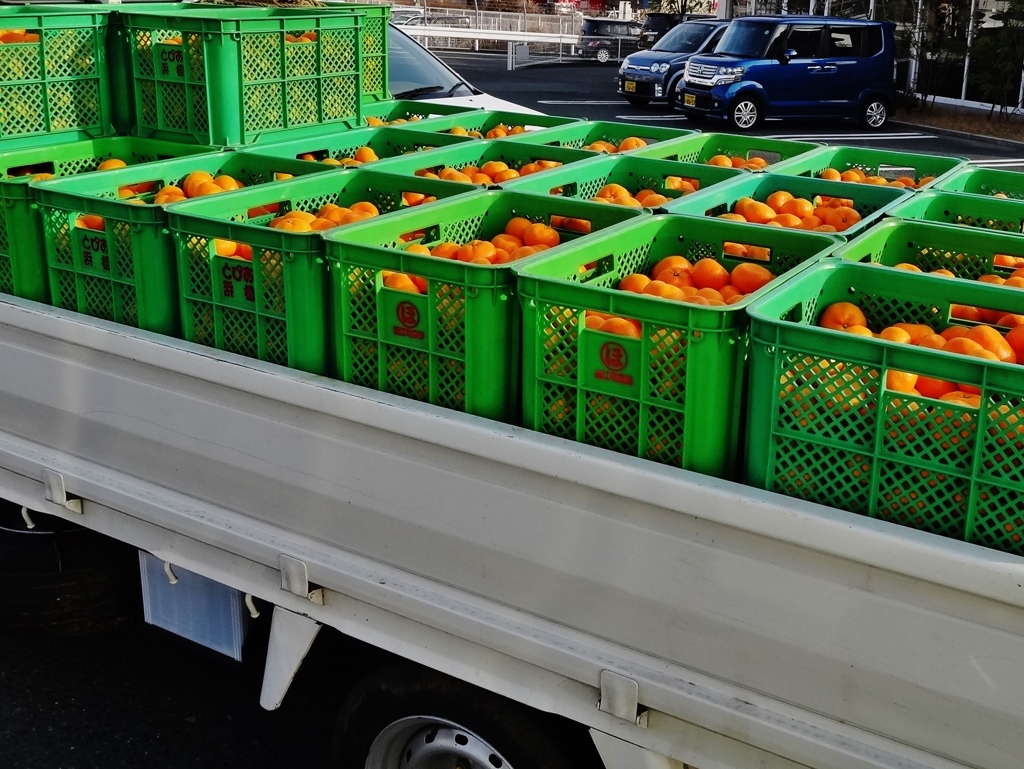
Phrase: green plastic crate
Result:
[56,89]
[234,78]
[457,345]
[585,180]
[972,180]
[409,110]
[126,273]
[473,152]
[967,210]
[674,395]
[119,65]
[282,317]
[22,252]
[823,427]
[700,148]
[967,254]
[482,120]
[889,164]
[579,135]
[386,142]
[870,201]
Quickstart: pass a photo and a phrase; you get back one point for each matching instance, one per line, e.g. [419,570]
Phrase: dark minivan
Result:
[652,75]
[784,66]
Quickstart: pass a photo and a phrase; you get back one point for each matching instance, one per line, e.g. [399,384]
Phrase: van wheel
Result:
[603,56]
[745,114]
[875,114]
[407,717]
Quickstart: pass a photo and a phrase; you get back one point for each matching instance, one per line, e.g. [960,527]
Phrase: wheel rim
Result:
[425,742]
[875,114]
[602,55]
[744,114]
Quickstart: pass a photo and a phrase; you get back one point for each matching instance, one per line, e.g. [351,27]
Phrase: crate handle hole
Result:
[31,169]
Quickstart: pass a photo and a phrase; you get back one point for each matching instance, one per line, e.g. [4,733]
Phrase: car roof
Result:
[814,20]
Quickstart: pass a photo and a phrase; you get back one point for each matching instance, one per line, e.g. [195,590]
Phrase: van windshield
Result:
[686,38]
[747,39]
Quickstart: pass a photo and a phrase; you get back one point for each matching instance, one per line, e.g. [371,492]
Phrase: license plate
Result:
[689,100]
[629,86]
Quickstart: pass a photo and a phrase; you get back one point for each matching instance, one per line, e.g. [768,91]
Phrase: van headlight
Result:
[660,68]
[729,75]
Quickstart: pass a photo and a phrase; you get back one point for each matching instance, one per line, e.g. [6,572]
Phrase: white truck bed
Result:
[761,631]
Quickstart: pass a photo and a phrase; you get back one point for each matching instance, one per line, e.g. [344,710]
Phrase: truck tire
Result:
[603,55]
[60,579]
[409,717]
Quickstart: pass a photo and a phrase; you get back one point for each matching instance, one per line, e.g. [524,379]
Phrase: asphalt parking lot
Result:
[588,91]
[133,697]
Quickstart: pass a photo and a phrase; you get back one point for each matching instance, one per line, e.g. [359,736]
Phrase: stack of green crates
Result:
[456,344]
[274,308]
[54,83]
[823,424]
[22,249]
[671,392]
[125,271]
[233,76]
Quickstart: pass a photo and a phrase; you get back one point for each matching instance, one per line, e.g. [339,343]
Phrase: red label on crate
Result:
[615,359]
[613,356]
[408,315]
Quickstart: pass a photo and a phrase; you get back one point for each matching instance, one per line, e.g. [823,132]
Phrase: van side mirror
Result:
[789,53]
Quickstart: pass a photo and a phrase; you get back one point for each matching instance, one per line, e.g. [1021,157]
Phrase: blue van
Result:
[652,75]
[786,66]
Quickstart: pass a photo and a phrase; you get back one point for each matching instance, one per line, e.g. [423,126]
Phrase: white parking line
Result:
[999,162]
[652,118]
[581,101]
[847,137]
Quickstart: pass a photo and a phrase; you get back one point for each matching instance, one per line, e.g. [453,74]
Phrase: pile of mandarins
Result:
[491,172]
[499,131]
[751,164]
[980,341]
[706,283]
[782,209]
[627,144]
[618,195]
[364,154]
[519,239]
[858,176]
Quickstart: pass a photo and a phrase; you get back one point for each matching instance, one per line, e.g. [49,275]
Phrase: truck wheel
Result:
[745,114]
[407,717]
[603,56]
[60,579]
[875,114]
